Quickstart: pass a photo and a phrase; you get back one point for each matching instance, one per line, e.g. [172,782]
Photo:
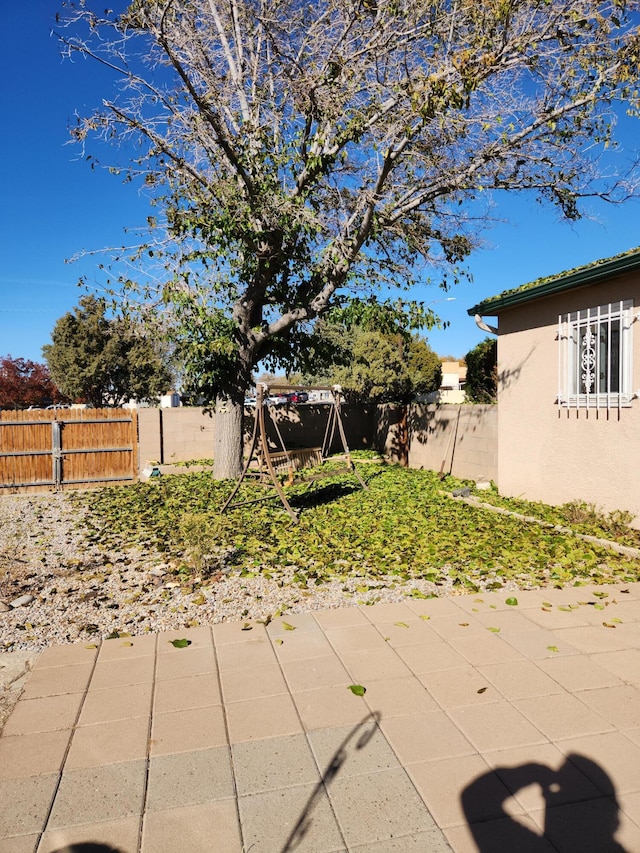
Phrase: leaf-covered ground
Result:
[404,525]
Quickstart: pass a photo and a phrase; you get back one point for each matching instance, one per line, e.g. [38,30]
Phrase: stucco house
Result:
[569,385]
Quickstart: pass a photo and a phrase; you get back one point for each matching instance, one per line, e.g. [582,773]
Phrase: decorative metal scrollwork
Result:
[588,360]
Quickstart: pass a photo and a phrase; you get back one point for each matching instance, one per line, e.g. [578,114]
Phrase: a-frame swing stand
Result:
[270,462]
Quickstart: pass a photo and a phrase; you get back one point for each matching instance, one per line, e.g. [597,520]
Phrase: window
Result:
[595,356]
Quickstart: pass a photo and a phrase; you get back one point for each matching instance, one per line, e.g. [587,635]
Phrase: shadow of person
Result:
[88,847]
[580,815]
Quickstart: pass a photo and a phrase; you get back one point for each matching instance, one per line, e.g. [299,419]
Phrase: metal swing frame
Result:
[269,461]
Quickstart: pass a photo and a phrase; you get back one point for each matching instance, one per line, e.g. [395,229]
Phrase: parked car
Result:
[298,397]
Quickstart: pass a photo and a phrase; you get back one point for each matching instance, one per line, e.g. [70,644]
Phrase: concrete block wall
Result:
[464,437]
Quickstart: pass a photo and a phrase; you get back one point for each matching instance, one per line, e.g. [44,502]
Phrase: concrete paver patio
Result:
[484,727]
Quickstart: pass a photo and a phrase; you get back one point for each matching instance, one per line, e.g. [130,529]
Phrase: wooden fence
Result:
[67,448]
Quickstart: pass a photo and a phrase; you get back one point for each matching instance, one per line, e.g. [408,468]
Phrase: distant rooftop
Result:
[578,277]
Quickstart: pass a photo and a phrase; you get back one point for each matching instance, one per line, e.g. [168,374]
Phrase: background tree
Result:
[482,372]
[301,154]
[105,360]
[371,365]
[25,383]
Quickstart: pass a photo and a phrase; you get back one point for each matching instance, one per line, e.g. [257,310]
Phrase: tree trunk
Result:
[227,443]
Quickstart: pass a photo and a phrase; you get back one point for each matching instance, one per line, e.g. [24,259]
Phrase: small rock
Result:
[4,607]
[157,572]
[22,601]
[461,493]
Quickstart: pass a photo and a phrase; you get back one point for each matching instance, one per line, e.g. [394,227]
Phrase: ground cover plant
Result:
[580,516]
[405,527]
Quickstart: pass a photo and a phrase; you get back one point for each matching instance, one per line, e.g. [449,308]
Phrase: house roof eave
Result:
[580,277]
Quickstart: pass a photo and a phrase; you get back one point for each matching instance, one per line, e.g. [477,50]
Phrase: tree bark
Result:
[227,442]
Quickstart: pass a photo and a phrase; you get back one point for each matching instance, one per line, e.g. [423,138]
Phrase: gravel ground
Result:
[56,587]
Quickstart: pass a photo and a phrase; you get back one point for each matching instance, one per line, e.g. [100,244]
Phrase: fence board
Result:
[67,448]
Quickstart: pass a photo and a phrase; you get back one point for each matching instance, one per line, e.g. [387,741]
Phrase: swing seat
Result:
[297,458]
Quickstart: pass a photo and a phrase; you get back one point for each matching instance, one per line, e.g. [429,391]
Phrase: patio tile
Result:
[463,686]
[114,834]
[505,834]
[34,754]
[315,673]
[99,793]
[432,840]
[462,625]
[620,706]
[236,632]
[108,743]
[30,798]
[258,652]
[68,654]
[379,613]
[608,760]
[181,694]
[374,665]
[593,638]
[252,682]
[431,657]
[561,716]
[329,707]
[577,672]
[352,751]
[189,778]
[630,806]
[46,714]
[303,647]
[280,762]
[624,664]
[303,622]
[269,716]
[520,679]
[378,806]
[183,731]
[125,648]
[442,783]
[526,770]
[482,650]
[538,644]
[425,737]
[19,844]
[301,813]
[355,638]
[495,726]
[398,697]
[206,828]
[199,638]
[55,680]
[410,632]
[341,617]
[118,673]
[116,703]
[185,662]
[433,607]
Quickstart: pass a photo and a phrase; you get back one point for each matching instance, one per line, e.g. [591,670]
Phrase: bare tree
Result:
[304,153]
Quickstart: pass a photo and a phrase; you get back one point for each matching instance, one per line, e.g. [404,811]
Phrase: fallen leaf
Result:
[494,630]
[553,648]
[482,690]
[288,627]
[512,602]
[180,644]
[126,644]
[401,624]
[247,627]
[279,641]
[463,624]
[91,646]
[357,689]
[608,625]
[424,617]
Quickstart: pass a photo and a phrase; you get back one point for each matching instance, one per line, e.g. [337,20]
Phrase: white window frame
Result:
[596,357]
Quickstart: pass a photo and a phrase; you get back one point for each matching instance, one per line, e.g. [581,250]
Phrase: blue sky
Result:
[53,205]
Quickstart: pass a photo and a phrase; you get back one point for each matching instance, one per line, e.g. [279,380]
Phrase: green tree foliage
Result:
[104,361]
[301,154]
[25,383]
[376,366]
[482,372]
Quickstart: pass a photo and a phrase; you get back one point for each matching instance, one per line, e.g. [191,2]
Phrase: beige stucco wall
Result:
[556,455]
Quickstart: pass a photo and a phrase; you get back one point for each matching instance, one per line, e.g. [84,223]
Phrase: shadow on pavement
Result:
[573,820]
